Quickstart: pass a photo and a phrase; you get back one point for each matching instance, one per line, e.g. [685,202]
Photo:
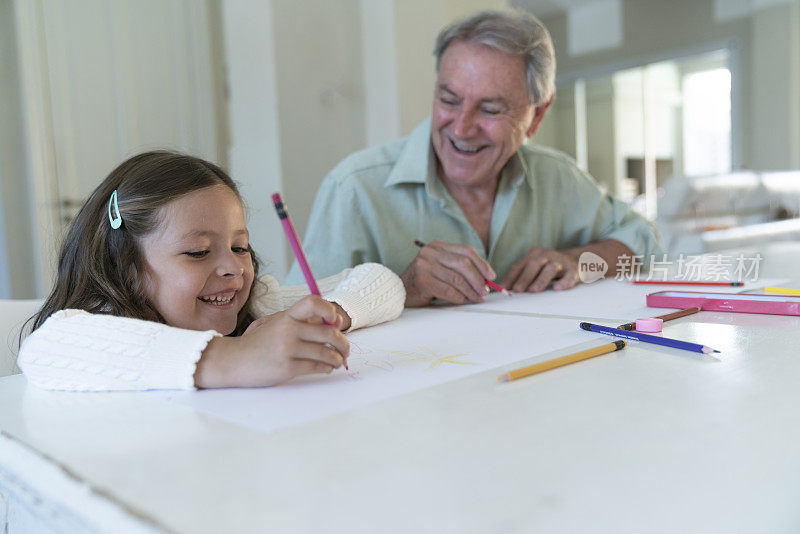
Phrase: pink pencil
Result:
[687,283]
[297,248]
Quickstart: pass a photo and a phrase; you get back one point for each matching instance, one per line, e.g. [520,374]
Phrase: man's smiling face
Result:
[481,113]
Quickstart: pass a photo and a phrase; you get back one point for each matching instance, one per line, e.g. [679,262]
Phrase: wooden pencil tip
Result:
[503,378]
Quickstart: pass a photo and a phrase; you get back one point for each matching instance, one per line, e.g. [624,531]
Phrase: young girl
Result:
[157,288]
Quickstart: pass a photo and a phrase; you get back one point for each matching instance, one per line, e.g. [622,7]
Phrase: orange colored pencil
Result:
[562,361]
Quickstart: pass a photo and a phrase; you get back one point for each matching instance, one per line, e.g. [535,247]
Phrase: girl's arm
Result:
[78,351]
[369,294]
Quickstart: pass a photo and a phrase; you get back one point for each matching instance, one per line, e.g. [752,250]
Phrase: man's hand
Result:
[534,271]
[540,266]
[451,272]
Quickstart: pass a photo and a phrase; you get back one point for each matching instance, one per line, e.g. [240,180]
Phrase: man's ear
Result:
[538,115]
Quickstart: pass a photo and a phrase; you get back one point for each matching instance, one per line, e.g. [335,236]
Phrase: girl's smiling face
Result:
[198,268]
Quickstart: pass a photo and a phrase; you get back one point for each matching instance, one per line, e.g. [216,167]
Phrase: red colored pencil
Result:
[688,283]
[496,287]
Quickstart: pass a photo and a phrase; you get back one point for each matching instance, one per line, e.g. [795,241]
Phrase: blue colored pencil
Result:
[647,338]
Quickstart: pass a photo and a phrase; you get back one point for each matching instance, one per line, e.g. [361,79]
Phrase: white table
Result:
[644,440]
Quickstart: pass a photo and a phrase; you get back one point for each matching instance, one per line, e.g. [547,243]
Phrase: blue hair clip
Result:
[116,222]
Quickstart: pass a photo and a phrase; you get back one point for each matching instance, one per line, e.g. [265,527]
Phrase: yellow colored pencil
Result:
[563,360]
[782,290]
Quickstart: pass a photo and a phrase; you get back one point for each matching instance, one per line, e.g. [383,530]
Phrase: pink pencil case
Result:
[728,302]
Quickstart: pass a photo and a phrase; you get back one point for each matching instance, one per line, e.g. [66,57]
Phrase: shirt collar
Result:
[515,170]
[417,161]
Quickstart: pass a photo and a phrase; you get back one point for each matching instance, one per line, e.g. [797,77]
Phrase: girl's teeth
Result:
[218,299]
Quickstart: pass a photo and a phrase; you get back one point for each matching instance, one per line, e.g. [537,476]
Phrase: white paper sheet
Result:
[423,348]
[604,301]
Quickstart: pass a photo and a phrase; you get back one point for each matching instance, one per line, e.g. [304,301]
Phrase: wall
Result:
[379,65]
[16,253]
[321,105]
[254,154]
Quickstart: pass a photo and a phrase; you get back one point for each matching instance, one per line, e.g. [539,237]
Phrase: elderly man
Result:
[486,206]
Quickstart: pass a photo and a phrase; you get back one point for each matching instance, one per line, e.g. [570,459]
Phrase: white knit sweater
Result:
[79,351]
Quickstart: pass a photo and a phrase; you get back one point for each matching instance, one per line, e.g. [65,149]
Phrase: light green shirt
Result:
[376,202]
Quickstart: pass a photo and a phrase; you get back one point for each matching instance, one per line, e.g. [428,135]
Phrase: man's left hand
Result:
[534,271]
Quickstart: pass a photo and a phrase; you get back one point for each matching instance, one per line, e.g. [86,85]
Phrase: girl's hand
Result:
[343,316]
[343,325]
[276,348]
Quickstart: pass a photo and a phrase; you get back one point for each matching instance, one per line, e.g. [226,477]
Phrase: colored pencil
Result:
[560,362]
[688,283]
[665,317]
[647,338]
[496,287]
[297,248]
[782,290]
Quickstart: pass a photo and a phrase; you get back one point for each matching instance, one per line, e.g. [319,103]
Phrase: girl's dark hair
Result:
[101,269]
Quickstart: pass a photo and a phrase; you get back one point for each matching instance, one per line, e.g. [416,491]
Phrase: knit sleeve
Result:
[79,351]
[370,294]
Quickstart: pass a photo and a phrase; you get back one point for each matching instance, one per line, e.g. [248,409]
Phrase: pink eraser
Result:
[649,324]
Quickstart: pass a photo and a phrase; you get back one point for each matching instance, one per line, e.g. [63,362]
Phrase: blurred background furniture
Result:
[736,210]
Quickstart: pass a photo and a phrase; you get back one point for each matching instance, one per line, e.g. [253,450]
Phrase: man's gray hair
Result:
[514,32]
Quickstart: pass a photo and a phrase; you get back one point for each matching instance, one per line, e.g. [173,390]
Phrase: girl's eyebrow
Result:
[210,233]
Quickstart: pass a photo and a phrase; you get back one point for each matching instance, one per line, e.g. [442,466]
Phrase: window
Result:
[707,122]
[634,128]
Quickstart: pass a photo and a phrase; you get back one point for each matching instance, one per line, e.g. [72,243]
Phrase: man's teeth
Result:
[465,148]
[217,299]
